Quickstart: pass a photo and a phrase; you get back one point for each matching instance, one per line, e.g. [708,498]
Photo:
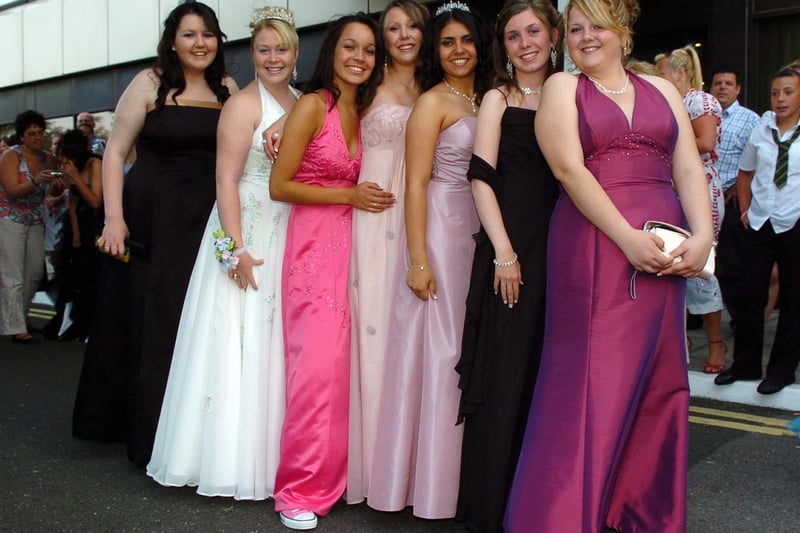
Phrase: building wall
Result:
[64,56]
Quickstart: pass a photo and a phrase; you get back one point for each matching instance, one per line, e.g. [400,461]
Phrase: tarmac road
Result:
[742,477]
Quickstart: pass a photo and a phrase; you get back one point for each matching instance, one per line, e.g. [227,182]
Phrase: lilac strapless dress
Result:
[606,442]
[418,445]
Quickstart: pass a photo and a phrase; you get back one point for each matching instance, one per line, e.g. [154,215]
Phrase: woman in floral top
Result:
[24,176]
[703,297]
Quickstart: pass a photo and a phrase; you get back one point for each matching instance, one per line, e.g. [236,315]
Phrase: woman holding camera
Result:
[24,176]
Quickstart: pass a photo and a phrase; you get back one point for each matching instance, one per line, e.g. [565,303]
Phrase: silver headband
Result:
[450,6]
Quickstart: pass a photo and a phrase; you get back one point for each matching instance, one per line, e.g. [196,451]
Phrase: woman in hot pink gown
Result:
[316,170]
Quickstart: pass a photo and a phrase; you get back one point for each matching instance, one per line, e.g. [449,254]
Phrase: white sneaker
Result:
[298,519]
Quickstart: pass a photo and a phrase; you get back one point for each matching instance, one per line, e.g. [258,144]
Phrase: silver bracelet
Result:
[417,267]
[506,263]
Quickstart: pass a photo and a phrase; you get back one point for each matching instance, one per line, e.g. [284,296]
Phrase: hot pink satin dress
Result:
[312,472]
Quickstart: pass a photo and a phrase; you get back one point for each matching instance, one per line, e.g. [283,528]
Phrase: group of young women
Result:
[357,321]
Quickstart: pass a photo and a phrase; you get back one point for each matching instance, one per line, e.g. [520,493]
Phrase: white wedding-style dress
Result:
[223,409]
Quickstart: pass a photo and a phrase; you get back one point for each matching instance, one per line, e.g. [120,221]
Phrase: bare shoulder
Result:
[432,105]
[429,99]
[146,79]
[495,97]
[308,114]
[143,88]
[493,105]
[562,84]
[313,103]
[247,96]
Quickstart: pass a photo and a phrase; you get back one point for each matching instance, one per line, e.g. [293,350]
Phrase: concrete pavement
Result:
[702,385]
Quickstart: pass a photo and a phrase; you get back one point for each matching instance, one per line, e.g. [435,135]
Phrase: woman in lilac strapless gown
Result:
[606,441]
[418,445]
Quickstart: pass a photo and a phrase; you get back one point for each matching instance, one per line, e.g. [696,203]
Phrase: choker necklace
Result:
[527,91]
[470,99]
[610,91]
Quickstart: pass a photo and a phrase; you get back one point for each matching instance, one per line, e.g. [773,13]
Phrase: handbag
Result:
[673,236]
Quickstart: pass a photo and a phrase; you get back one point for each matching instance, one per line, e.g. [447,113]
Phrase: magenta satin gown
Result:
[312,472]
[418,444]
[606,442]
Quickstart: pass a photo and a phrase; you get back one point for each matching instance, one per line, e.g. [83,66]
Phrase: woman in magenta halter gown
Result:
[606,441]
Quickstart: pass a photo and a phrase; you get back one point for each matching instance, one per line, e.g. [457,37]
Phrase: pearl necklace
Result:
[527,91]
[470,99]
[610,91]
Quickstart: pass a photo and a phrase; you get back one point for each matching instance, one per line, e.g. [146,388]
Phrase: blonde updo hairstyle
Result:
[286,32]
[686,58]
[615,15]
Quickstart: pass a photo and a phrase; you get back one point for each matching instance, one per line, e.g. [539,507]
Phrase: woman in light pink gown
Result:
[377,246]
[417,451]
[317,169]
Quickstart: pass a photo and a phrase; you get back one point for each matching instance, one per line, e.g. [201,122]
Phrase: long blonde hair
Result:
[687,59]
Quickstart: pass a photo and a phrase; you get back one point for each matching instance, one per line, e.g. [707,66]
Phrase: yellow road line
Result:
[41,314]
[767,421]
[740,426]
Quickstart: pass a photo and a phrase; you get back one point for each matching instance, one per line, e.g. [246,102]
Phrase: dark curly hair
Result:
[432,69]
[75,147]
[323,75]
[26,119]
[168,67]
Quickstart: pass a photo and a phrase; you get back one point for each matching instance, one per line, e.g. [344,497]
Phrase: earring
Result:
[294,73]
[553,56]
[173,48]
[510,69]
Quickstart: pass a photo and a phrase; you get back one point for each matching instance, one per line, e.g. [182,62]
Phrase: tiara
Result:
[450,6]
[272,13]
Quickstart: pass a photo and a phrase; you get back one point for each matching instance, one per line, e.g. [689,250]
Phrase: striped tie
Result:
[782,163]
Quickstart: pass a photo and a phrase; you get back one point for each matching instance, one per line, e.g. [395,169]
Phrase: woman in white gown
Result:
[220,423]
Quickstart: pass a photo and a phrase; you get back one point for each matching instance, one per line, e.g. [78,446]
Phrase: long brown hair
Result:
[548,14]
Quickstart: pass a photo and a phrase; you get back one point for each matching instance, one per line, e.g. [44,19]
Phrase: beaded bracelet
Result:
[505,263]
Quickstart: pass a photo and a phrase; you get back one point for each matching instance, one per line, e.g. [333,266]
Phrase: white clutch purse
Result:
[673,236]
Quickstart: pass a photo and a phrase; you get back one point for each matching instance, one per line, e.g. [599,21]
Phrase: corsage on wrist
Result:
[225,251]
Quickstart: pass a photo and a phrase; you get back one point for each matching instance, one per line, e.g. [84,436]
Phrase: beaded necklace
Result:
[470,99]
[607,90]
